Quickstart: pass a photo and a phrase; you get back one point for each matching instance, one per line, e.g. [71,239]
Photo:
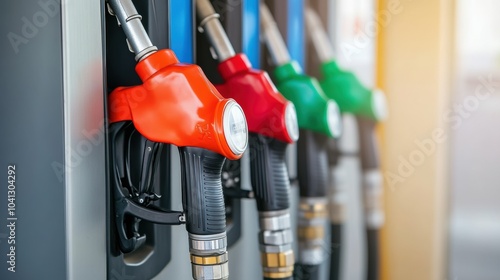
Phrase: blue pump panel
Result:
[251,31]
[181,29]
[296,41]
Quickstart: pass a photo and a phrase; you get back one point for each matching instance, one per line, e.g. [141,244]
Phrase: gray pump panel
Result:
[52,120]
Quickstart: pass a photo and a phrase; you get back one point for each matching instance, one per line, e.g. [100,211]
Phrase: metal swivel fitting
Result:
[313,213]
[209,259]
[276,240]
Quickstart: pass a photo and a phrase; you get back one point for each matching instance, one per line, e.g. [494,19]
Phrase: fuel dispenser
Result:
[175,104]
[318,119]
[369,107]
[273,125]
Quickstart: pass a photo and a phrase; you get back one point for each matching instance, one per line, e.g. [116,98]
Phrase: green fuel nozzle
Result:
[340,85]
[351,96]
[314,110]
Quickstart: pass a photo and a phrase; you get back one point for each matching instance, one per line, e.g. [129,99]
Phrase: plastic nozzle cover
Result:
[314,110]
[176,104]
[268,112]
[351,96]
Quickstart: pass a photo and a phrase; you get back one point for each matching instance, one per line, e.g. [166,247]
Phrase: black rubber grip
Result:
[368,150]
[336,249]
[268,173]
[202,196]
[312,161]
[373,254]
[306,272]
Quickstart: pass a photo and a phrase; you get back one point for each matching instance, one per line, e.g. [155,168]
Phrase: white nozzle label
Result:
[333,119]
[292,125]
[235,128]
[379,105]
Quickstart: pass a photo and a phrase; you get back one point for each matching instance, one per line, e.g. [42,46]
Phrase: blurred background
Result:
[438,62]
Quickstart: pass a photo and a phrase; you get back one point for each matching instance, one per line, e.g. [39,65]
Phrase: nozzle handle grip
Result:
[312,160]
[269,174]
[202,197]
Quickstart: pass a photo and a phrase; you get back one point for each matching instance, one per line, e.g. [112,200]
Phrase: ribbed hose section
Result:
[373,254]
[312,160]
[202,196]
[336,249]
[269,174]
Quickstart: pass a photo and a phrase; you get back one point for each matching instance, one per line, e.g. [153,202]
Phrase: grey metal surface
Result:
[84,137]
[52,121]
[32,139]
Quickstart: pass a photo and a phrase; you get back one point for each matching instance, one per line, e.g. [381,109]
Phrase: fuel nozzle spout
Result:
[130,21]
[318,36]
[210,24]
[272,37]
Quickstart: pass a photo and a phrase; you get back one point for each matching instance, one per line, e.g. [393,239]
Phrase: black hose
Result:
[335,227]
[307,272]
[336,250]
[372,236]
[369,158]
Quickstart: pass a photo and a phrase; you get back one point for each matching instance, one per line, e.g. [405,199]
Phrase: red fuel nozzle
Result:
[177,105]
[268,112]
